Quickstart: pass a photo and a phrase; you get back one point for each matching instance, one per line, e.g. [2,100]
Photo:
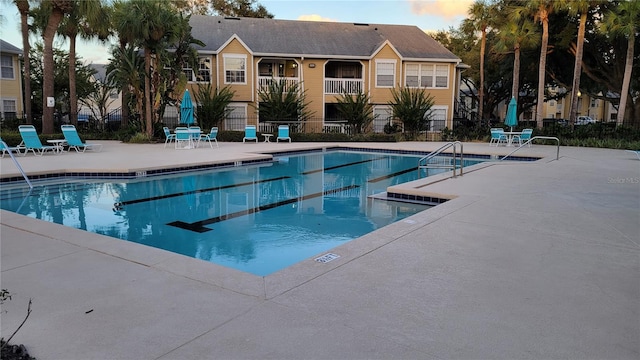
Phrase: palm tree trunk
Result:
[73,97]
[47,87]
[542,69]
[626,80]
[26,75]
[515,87]
[577,68]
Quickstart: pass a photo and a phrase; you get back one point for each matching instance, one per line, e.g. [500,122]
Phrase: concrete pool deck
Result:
[533,260]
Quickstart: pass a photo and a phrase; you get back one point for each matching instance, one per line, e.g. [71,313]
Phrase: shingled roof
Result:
[270,37]
[6,47]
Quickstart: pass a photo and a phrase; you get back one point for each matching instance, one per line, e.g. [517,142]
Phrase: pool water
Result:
[257,219]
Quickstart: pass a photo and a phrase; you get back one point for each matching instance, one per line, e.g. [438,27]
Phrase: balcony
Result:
[340,86]
[265,81]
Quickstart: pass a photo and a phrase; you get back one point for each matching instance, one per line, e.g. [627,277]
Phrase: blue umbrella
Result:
[512,114]
[186,109]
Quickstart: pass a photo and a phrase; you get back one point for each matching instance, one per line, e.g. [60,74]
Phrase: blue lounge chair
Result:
[498,137]
[524,137]
[211,136]
[250,133]
[5,148]
[636,152]
[283,133]
[73,140]
[32,141]
[169,137]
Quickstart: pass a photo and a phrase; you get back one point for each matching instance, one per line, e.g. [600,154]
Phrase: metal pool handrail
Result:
[439,151]
[17,165]
[533,138]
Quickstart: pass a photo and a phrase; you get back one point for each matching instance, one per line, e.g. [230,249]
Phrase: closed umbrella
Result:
[512,114]
[186,109]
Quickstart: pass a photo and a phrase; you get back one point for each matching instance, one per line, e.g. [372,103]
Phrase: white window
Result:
[204,71]
[9,109]
[6,62]
[237,118]
[430,75]
[385,73]
[438,117]
[383,116]
[413,75]
[234,69]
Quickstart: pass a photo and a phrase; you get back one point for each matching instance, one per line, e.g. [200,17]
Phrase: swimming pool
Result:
[257,219]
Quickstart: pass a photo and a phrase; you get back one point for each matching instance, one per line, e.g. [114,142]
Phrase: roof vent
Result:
[360,24]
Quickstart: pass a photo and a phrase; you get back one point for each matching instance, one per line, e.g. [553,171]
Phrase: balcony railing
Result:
[265,81]
[339,86]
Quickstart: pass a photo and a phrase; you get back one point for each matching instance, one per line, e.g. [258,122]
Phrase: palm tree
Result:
[87,19]
[514,35]
[357,110]
[23,8]
[579,7]
[53,11]
[412,106]
[281,101]
[126,71]
[624,20]
[541,10]
[480,20]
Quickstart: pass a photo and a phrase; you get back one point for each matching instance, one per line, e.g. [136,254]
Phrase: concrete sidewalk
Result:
[535,260]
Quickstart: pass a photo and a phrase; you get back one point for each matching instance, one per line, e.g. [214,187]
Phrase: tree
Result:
[23,8]
[541,9]
[513,36]
[357,110]
[212,104]
[282,101]
[100,99]
[126,71]
[624,20]
[87,19]
[479,20]
[53,11]
[412,106]
[581,8]
[240,8]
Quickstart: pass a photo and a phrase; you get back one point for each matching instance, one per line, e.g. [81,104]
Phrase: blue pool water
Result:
[257,219]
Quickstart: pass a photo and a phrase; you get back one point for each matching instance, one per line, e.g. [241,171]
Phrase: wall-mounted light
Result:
[312,65]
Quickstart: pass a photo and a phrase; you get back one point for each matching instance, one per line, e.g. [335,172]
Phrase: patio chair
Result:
[5,148]
[283,133]
[524,137]
[250,133]
[73,140]
[169,137]
[211,136]
[32,141]
[498,137]
[183,138]
[636,152]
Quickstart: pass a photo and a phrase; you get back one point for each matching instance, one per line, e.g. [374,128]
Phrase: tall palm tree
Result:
[515,34]
[87,19]
[541,9]
[581,8]
[54,11]
[126,71]
[23,8]
[624,20]
[480,20]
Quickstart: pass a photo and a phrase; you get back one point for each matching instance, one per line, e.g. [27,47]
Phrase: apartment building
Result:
[11,104]
[325,59]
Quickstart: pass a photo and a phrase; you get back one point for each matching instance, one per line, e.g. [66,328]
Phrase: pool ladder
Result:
[17,165]
[431,161]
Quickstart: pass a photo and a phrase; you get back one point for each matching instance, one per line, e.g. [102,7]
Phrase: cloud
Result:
[447,9]
[315,17]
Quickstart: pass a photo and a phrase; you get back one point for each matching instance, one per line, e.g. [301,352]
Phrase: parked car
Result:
[584,120]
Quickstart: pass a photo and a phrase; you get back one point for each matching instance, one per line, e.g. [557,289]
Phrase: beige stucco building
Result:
[325,59]
[11,104]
